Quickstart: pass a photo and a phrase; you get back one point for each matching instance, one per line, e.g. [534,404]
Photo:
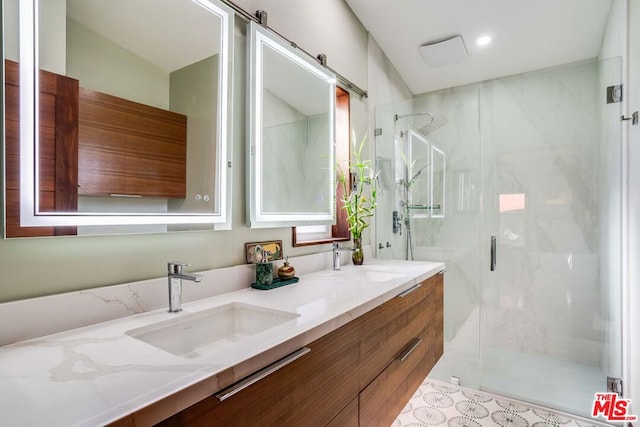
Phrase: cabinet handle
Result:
[125,195]
[403,356]
[264,372]
[410,290]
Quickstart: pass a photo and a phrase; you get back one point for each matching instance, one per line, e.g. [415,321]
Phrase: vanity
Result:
[337,348]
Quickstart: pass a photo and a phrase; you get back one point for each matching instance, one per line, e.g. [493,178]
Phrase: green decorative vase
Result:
[264,273]
[357,256]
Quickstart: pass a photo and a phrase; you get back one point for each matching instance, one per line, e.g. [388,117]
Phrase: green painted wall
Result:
[43,266]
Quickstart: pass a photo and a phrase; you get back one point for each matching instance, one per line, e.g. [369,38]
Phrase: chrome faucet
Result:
[175,276]
[336,254]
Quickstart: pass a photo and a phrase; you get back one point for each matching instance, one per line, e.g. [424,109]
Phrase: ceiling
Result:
[526,35]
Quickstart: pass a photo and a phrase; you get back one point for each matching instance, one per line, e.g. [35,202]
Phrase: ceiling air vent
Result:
[444,52]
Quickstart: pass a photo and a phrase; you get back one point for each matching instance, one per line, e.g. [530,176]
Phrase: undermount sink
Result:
[369,273]
[379,276]
[193,335]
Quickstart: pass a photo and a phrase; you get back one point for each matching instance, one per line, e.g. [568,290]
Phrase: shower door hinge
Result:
[377,131]
[614,385]
[614,94]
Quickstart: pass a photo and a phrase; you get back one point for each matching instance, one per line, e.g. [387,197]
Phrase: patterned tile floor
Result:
[441,404]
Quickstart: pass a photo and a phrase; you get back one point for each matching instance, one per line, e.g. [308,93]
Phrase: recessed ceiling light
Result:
[483,41]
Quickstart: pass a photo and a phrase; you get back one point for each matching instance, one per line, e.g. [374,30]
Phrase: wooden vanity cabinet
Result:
[398,354]
[362,374]
[309,391]
[348,417]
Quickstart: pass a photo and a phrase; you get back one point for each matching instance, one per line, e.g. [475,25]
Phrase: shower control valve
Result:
[397,223]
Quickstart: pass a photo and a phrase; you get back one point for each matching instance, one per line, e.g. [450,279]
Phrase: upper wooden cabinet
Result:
[127,148]
[58,150]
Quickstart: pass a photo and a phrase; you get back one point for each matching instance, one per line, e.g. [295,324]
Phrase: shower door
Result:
[550,330]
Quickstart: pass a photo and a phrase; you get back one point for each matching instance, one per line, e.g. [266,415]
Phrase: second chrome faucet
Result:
[175,276]
[336,254]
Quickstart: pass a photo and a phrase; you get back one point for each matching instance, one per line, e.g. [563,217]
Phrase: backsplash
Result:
[36,317]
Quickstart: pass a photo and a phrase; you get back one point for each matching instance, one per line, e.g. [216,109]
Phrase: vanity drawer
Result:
[383,399]
[387,329]
[348,417]
[310,390]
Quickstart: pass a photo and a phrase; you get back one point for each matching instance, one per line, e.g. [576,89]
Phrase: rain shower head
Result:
[435,124]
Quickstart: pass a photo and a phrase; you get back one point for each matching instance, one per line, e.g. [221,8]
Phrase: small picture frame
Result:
[255,251]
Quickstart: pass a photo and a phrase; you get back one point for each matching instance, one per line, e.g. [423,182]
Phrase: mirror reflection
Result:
[438,165]
[418,178]
[132,119]
[292,134]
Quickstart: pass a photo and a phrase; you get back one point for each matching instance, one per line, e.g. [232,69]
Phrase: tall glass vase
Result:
[357,256]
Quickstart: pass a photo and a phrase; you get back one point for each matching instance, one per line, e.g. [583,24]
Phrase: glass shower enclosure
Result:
[528,164]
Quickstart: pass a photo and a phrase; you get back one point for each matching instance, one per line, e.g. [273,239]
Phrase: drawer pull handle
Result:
[264,372]
[403,356]
[408,291]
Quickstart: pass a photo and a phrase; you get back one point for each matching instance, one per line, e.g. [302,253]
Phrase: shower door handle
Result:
[493,253]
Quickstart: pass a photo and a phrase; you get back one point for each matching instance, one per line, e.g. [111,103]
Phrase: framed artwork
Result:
[260,251]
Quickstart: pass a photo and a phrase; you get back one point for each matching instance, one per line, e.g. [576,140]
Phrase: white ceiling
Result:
[169,33]
[527,35]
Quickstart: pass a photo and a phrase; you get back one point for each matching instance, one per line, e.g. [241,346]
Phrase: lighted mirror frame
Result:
[259,38]
[30,215]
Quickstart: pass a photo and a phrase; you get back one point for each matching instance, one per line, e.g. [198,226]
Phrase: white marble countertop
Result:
[97,374]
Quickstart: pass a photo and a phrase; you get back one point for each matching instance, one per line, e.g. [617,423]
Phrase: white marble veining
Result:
[61,312]
[548,142]
[96,374]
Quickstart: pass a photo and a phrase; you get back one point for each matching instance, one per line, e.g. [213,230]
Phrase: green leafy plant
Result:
[360,202]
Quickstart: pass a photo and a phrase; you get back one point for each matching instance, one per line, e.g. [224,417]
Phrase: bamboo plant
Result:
[360,202]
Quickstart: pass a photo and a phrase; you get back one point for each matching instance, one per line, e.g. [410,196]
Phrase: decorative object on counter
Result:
[264,273]
[360,202]
[286,271]
[277,282]
[255,251]
[264,268]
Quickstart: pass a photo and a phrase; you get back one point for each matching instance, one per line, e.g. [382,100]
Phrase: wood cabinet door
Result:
[383,399]
[127,148]
[58,150]
[348,417]
[387,329]
[309,391]
[416,321]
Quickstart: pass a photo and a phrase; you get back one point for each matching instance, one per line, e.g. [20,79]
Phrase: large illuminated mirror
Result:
[117,115]
[291,135]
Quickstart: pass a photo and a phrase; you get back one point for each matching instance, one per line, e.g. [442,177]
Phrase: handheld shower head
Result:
[417,174]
